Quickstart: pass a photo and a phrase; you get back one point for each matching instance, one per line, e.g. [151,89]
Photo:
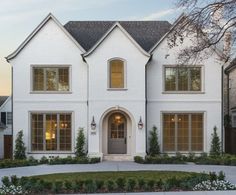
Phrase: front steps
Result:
[117,157]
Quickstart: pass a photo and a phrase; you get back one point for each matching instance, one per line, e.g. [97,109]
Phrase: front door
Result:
[117,133]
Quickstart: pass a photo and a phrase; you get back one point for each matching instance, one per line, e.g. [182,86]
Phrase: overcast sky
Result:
[18,18]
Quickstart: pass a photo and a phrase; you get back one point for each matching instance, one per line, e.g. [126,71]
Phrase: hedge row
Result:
[8,163]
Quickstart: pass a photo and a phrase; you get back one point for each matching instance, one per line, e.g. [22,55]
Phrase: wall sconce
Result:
[93,124]
[140,123]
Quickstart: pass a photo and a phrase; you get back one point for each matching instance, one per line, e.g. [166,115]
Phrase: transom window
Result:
[51,79]
[180,78]
[116,73]
[51,132]
[182,132]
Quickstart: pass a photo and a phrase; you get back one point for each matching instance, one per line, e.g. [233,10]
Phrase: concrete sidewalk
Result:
[230,171]
[175,193]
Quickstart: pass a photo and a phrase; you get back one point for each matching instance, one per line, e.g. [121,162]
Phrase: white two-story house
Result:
[115,80]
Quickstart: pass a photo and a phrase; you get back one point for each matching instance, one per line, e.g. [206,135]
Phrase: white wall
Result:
[208,101]
[132,99]
[50,46]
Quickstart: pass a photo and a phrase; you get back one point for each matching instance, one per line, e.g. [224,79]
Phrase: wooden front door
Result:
[7,146]
[117,133]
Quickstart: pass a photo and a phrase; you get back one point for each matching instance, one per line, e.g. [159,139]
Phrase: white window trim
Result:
[30,151]
[50,66]
[125,75]
[183,112]
[202,91]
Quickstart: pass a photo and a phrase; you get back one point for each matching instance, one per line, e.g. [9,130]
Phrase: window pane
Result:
[197,132]
[183,132]
[38,79]
[63,84]
[9,118]
[51,132]
[116,74]
[169,132]
[37,132]
[51,79]
[183,79]
[65,132]
[170,79]
[195,77]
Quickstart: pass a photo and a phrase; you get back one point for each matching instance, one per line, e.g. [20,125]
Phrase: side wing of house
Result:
[5,127]
[49,90]
[183,101]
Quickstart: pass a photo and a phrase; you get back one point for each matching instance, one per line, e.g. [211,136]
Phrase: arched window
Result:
[116,73]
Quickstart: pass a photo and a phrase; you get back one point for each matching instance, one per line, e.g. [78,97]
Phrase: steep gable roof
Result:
[3,99]
[231,66]
[116,25]
[36,30]
[145,33]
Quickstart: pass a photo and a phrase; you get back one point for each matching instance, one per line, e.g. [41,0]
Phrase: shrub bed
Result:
[34,185]
[8,163]
[203,159]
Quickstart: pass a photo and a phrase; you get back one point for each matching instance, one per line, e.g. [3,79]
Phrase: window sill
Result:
[51,92]
[51,152]
[117,89]
[183,92]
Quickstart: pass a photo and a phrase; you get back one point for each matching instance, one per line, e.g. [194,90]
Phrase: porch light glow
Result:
[93,124]
[140,123]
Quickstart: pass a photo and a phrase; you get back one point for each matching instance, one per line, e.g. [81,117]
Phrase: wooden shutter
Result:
[3,118]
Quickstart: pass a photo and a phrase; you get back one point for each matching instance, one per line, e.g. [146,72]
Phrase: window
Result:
[51,132]
[9,118]
[182,132]
[181,78]
[51,79]
[116,74]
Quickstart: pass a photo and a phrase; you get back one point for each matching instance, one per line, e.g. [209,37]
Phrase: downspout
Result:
[146,131]
[12,109]
[87,103]
[222,109]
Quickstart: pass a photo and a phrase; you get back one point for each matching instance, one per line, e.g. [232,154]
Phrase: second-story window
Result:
[181,78]
[51,79]
[116,74]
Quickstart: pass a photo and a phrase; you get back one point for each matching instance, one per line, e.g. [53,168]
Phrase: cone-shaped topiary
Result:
[154,148]
[80,141]
[19,152]
[215,144]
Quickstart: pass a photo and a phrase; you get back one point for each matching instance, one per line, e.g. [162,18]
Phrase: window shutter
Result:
[3,117]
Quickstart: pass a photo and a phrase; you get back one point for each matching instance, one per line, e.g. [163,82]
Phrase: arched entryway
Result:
[117,133]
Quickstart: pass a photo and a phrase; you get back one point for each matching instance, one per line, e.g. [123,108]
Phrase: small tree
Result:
[154,148]
[20,148]
[80,141]
[215,144]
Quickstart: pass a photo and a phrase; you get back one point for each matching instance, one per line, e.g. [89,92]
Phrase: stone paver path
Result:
[230,171]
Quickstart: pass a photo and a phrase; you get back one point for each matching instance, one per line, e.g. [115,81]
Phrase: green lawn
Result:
[156,175]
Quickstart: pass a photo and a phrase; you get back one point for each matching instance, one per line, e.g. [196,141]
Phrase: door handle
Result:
[125,140]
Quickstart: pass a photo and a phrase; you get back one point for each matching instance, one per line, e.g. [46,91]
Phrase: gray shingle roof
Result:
[145,33]
[3,99]
[231,66]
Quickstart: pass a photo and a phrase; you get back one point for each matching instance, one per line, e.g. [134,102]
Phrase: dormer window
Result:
[116,74]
